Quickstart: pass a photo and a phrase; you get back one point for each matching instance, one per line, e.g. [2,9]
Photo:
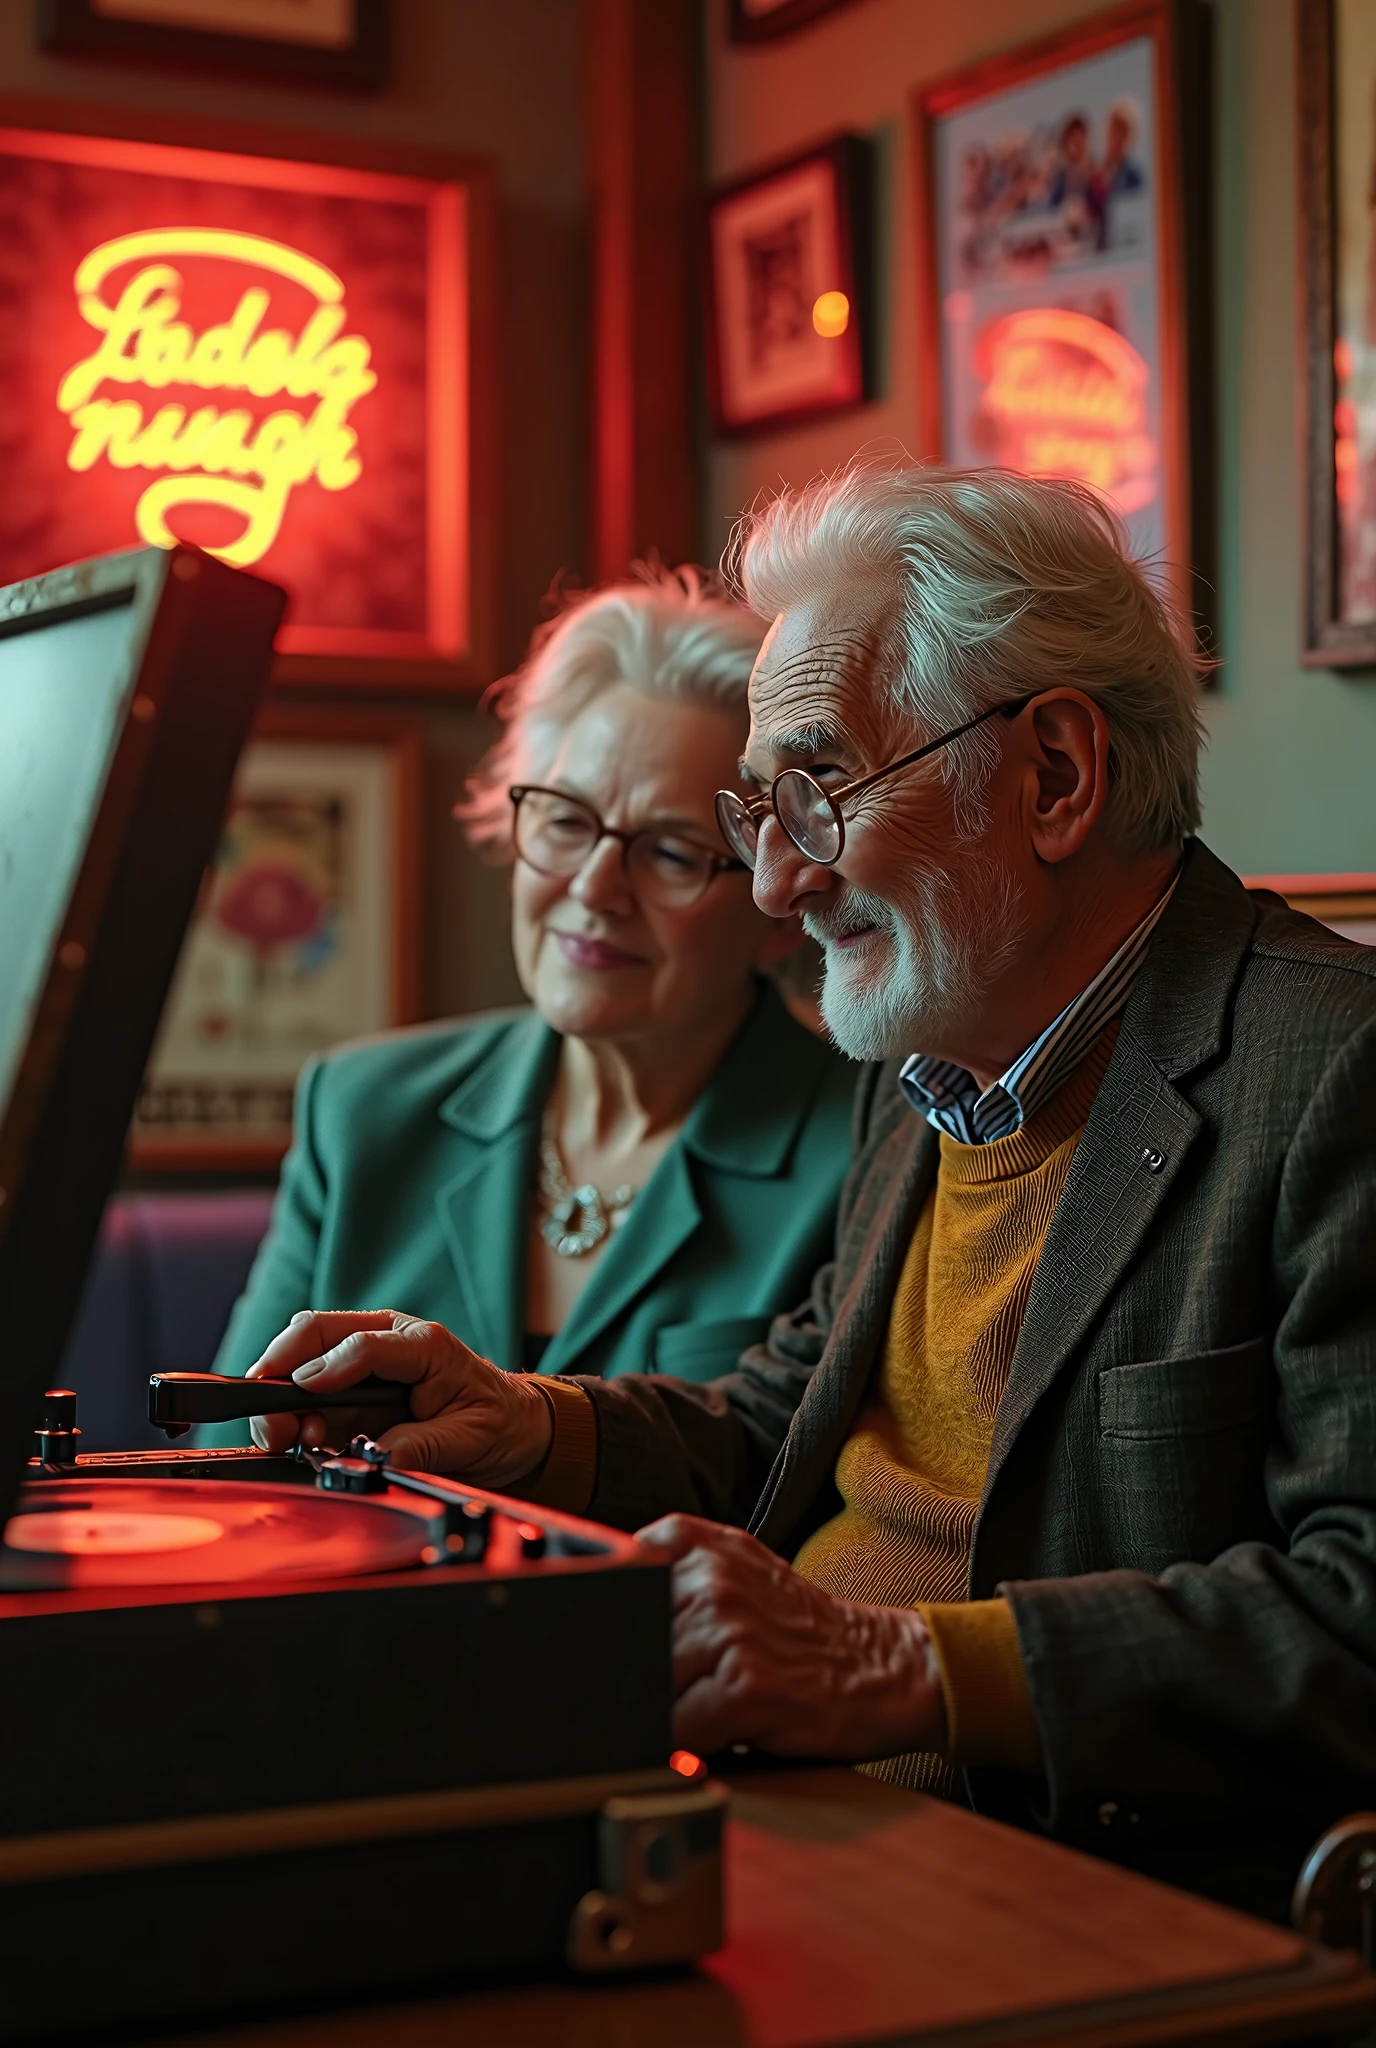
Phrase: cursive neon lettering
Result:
[217,458]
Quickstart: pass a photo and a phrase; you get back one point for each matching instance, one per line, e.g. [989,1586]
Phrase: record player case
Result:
[421,1731]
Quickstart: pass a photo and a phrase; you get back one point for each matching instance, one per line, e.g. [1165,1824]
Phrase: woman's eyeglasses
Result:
[810,815]
[556,835]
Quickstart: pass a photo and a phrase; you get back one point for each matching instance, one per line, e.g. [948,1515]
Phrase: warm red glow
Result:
[264,358]
[1346,459]
[686,1764]
[1064,395]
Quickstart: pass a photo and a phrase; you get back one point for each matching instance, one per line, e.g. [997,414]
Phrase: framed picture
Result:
[307,933]
[320,42]
[1064,273]
[281,359]
[1345,903]
[787,289]
[1337,224]
[765,21]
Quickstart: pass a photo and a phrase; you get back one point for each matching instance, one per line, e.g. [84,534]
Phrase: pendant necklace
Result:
[576,1218]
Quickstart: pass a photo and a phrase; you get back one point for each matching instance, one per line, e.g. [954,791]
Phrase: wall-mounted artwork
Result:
[323,42]
[306,934]
[265,356]
[1337,131]
[787,285]
[1065,318]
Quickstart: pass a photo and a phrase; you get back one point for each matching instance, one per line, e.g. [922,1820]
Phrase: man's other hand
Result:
[763,1656]
[468,1417]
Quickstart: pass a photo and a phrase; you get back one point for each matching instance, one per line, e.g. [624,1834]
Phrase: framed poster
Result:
[270,357]
[307,933]
[787,285]
[321,42]
[1337,223]
[1064,323]
[1345,903]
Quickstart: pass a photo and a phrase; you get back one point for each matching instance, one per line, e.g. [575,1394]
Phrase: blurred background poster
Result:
[1353,174]
[1046,195]
[303,937]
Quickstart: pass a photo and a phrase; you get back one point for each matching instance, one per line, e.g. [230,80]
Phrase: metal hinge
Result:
[659,1882]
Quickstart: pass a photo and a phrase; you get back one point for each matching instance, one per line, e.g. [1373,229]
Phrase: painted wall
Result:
[503,80]
[1290,774]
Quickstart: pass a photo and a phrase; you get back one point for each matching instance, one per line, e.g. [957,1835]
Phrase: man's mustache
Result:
[854,911]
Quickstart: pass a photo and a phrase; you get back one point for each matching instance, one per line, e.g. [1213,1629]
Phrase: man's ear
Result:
[1067,781]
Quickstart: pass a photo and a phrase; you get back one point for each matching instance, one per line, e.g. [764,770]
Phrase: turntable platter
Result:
[130,1532]
[109,1532]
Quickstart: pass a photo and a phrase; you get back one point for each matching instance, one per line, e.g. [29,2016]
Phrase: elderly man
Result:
[1062,1483]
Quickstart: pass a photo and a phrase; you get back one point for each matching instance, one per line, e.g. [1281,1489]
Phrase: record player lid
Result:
[127,688]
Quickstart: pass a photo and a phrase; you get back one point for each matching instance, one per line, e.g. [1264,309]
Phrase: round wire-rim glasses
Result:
[810,815]
[557,834]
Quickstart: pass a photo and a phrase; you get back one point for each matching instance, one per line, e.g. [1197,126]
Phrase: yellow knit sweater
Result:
[913,1468]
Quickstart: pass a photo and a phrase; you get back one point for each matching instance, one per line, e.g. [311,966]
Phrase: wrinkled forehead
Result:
[821,667]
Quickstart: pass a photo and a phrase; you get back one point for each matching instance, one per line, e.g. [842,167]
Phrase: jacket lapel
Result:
[484,1209]
[745,1122]
[1138,1133]
[1113,1192]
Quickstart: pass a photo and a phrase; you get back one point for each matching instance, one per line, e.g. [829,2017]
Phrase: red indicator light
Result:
[686,1764]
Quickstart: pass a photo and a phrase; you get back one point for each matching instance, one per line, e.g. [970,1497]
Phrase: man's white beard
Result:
[918,981]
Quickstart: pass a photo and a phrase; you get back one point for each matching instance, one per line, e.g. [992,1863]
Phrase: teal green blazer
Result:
[410,1179]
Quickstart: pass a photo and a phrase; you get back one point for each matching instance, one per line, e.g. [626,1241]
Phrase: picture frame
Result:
[1065,278]
[769,21]
[329,305]
[340,43]
[1345,903]
[307,933]
[787,289]
[1336,78]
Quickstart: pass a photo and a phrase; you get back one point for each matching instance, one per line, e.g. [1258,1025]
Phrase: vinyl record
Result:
[132,1532]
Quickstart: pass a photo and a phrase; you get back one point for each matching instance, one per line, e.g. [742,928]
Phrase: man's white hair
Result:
[670,632]
[1001,585]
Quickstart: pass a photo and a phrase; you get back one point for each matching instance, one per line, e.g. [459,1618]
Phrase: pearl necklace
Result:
[577,1218]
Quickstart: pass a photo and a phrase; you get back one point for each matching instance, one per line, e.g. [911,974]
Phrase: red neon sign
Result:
[1064,395]
[263,357]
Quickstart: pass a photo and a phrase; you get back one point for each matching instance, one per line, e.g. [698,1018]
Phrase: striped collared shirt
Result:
[949,1096]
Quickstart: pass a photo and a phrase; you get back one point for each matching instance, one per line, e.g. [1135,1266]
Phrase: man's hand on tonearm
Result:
[468,1418]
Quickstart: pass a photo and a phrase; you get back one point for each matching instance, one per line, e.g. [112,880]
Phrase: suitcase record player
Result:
[399,1728]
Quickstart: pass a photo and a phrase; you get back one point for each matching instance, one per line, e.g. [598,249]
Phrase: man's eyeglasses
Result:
[810,815]
[557,834]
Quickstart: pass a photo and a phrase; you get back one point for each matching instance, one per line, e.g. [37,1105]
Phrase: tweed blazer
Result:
[1181,1497]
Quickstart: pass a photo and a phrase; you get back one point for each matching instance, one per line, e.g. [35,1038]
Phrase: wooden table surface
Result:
[857,1914]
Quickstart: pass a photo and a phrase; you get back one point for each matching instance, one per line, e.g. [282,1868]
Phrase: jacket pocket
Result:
[1182,1456]
[704,1351]
[1166,1399]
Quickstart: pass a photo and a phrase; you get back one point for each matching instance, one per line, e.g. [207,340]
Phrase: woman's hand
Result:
[763,1656]
[468,1418]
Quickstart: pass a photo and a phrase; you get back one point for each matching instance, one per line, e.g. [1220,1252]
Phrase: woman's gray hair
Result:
[1001,585]
[669,632]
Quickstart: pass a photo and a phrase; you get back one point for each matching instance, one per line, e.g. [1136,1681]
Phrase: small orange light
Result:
[686,1764]
[831,314]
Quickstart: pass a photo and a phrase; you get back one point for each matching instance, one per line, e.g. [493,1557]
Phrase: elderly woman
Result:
[639,1171]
